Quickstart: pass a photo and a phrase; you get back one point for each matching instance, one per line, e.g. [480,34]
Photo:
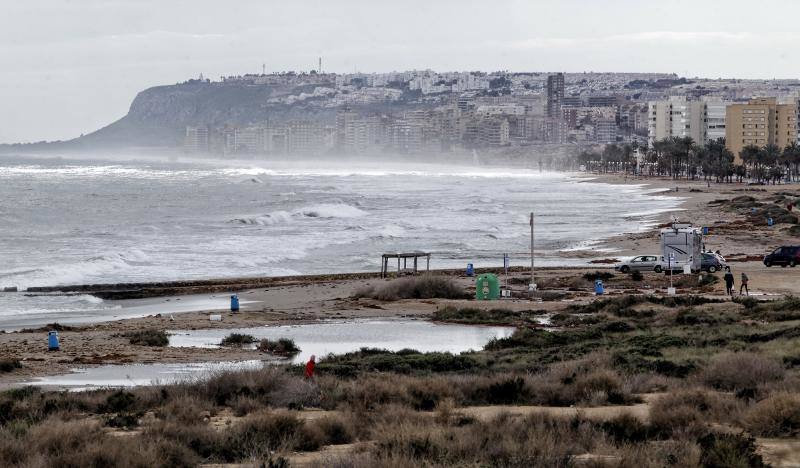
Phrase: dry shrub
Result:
[258,435]
[598,387]
[535,440]
[722,450]
[776,416]
[83,444]
[55,437]
[588,381]
[415,287]
[269,385]
[369,392]
[658,454]
[244,405]
[648,383]
[336,429]
[295,393]
[445,411]
[688,411]
[425,394]
[13,451]
[200,438]
[744,370]
[187,409]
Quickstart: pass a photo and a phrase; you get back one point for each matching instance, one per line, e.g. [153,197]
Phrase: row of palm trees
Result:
[680,157]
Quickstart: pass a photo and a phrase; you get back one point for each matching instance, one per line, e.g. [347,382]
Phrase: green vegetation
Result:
[55,326]
[9,364]
[681,157]
[237,339]
[601,275]
[281,346]
[470,315]
[148,338]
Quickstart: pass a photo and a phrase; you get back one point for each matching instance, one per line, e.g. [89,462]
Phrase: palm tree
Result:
[791,157]
[749,155]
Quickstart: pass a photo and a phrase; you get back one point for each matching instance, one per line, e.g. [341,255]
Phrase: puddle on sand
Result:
[319,339]
[338,337]
[132,375]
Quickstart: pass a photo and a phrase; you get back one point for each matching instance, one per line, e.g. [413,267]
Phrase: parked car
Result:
[786,255]
[712,262]
[642,263]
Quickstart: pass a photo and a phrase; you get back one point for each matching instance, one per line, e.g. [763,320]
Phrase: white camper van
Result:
[681,245]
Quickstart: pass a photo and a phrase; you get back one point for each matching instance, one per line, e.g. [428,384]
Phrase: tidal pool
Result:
[338,337]
[320,339]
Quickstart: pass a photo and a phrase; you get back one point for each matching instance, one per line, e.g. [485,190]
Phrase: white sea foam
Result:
[92,268]
[330,210]
[323,210]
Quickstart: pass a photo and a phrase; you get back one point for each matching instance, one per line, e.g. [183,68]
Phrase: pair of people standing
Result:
[729,287]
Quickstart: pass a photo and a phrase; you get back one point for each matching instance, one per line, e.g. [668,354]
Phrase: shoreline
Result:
[140,290]
[314,298]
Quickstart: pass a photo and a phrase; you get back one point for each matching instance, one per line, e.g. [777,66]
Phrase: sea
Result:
[78,220]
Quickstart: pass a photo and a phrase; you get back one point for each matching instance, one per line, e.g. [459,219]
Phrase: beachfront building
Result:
[760,122]
[715,118]
[605,130]
[677,117]
[555,95]
[304,137]
[196,140]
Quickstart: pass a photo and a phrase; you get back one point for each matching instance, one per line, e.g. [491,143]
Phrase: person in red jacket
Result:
[310,367]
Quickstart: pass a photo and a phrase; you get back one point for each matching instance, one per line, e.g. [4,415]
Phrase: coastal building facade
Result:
[760,122]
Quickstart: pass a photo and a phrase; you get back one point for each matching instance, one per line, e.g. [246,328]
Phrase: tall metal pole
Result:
[533,282]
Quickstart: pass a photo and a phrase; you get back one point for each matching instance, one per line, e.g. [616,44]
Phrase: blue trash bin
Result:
[470,270]
[234,303]
[770,222]
[705,230]
[598,287]
[52,341]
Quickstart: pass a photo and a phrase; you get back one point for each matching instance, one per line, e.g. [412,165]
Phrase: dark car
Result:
[786,255]
[711,262]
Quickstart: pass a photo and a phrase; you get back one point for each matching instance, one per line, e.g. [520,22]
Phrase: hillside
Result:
[159,115]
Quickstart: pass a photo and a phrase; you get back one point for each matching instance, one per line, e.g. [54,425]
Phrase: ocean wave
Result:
[329,210]
[269,219]
[389,231]
[324,210]
[78,272]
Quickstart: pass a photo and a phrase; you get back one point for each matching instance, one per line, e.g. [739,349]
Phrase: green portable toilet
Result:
[487,287]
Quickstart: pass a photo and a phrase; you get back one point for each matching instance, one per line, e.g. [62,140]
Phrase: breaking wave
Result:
[112,264]
[324,210]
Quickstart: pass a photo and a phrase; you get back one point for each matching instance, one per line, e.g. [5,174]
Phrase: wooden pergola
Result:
[404,256]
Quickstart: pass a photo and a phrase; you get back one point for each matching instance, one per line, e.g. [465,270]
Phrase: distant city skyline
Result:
[73,67]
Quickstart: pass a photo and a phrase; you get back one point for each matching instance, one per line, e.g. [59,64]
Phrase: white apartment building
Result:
[678,117]
[500,109]
[196,140]
[715,118]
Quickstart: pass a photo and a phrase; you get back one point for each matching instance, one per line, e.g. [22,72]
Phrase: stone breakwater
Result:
[180,288]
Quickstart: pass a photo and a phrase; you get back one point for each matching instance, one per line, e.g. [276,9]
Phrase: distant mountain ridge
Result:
[158,116]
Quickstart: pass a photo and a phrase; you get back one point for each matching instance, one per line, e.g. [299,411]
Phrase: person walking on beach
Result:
[310,367]
[745,279]
[728,281]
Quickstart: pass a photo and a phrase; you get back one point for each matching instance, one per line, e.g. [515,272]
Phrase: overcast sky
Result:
[71,67]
